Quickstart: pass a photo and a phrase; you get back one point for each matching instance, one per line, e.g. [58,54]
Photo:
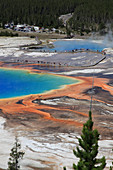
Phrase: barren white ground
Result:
[10,46]
[42,151]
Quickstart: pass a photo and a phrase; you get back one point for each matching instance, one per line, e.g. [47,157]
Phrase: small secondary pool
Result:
[15,83]
[69,45]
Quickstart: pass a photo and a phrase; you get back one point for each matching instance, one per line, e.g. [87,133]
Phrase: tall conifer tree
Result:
[88,149]
[15,156]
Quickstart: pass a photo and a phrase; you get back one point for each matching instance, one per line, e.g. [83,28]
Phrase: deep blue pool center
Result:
[14,83]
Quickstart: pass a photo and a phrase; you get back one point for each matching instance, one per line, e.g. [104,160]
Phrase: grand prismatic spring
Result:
[14,83]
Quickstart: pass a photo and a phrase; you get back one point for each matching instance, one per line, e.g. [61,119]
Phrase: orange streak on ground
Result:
[30,104]
[21,66]
[23,109]
[54,108]
[71,122]
[9,106]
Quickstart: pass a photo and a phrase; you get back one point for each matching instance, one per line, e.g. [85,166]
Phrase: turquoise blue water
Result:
[14,83]
[69,45]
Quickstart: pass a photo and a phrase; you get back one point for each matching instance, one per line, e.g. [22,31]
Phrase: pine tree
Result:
[88,149]
[15,156]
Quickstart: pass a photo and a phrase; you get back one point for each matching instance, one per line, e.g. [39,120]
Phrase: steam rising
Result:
[106,40]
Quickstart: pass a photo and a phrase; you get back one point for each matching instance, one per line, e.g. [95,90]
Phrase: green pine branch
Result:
[88,149]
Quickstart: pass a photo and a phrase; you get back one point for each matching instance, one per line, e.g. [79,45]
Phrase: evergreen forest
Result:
[88,15]
[35,12]
[92,15]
